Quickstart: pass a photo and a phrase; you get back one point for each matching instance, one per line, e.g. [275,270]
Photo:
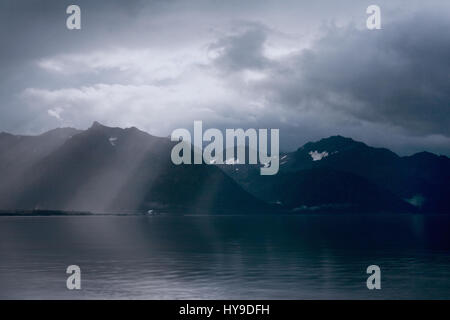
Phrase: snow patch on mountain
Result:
[417,201]
[112,140]
[317,156]
[232,161]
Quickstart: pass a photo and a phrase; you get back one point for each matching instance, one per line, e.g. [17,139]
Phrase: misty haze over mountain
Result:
[105,169]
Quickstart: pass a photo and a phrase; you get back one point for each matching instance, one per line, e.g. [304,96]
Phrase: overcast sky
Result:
[309,68]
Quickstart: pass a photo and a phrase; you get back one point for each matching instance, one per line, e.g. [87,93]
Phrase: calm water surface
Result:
[225,257]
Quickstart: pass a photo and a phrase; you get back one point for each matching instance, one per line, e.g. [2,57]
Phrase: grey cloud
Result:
[397,76]
[243,50]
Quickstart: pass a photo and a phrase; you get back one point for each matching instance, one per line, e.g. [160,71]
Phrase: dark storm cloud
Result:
[243,50]
[399,75]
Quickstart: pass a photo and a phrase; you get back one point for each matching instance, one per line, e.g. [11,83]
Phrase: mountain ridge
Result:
[422,175]
[113,169]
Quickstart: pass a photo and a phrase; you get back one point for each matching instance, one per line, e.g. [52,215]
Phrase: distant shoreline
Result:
[44,213]
[60,213]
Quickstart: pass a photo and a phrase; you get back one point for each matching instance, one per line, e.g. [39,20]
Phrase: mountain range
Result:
[105,169]
[339,173]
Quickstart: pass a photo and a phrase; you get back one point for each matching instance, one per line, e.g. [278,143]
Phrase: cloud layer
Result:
[162,65]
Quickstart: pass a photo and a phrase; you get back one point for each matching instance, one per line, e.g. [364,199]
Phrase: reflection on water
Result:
[225,257]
